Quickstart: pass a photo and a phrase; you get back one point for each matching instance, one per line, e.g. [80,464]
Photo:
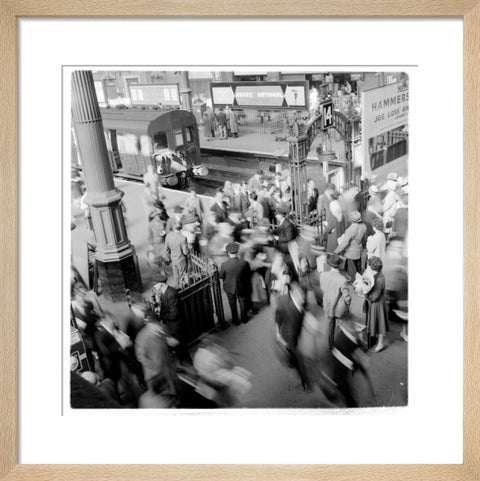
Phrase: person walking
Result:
[219,208]
[335,227]
[233,123]
[152,352]
[157,233]
[375,306]
[207,126]
[286,230]
[193,204]
[222,124]
[168,302]
[312,196]
[240,200]
[236,276]
[373,210]
[352,243]
[177,249]
[323,201]
[336,295]
[289,316]
[376,243]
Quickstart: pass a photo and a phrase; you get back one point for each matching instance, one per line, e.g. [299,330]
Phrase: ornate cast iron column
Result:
[115,256]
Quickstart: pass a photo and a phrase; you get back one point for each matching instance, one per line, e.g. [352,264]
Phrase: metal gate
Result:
[201,300]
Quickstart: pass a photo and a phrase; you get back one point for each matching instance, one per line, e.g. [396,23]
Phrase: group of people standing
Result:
[263,258]
[222,122]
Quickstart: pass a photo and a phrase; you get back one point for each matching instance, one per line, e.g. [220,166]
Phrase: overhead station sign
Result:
[154,94]
[276,95]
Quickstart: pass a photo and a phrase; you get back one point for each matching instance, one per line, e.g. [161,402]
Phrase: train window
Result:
[189,134]
[178,138]
[160,140]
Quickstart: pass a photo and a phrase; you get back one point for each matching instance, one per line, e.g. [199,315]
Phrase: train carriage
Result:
[166,139]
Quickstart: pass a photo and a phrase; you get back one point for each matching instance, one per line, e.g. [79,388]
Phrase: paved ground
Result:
[252,344]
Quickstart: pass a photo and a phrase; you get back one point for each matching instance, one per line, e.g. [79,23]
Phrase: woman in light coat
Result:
[376,243]
[352,243]
[335,226]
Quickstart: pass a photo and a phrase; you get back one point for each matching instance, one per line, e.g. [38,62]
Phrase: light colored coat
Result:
[376,245]
[352,241]
[333,285]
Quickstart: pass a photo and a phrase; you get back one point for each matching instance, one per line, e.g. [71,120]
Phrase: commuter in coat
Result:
[236,276]
[152,352]
[241,201]
[323,201]
[170,314]
[219,208]
[312,196]
[289,316]
[336,295]
[176,246]
[286,230]
[352,243]
[376,243]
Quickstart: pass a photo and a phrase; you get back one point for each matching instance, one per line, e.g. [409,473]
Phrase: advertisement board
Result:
[267,95]
[384,124]
[384,109]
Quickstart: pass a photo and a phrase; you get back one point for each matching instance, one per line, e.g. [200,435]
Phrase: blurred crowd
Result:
[354,246]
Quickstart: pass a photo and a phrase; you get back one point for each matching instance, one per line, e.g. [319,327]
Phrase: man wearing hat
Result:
[175,219]
[236,276]
[176,246]
[193,204]
[352,243]
[374,208]
[219,207]
[286,230]
[324,200]
[168,302]
[255,182]
[391,202]
[336,295]
[241,201]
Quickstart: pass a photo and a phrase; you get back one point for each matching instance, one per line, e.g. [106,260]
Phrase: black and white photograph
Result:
[238,237]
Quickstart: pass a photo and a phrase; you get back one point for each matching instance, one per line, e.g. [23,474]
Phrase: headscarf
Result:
[336,209]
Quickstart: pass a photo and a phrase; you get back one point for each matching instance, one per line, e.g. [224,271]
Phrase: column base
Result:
[117,276]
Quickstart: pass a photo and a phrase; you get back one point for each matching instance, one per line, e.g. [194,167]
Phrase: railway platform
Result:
[252,344]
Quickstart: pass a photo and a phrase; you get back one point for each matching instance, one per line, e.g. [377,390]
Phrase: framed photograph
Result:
[216,253]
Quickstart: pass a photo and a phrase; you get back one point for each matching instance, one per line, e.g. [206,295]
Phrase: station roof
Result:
[145,121]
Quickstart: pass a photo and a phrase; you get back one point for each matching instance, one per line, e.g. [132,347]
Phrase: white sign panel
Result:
[384,109]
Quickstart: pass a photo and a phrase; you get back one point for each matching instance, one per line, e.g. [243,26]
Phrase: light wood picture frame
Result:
[12,10]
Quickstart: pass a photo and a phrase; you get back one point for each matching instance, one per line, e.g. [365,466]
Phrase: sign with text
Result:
[384,109]
[275,95]
[384,125]
[327,115]
[154,94]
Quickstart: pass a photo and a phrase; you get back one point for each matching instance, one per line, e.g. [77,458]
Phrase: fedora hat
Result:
[355,216]
[392,176]
[232,248]
[335,261]
[160,277]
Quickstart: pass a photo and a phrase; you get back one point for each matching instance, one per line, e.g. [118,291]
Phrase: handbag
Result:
[341,308]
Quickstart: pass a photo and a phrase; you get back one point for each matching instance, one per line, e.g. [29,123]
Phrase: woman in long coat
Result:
[157,253]
[207,126]
[375,306]
[335,227]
